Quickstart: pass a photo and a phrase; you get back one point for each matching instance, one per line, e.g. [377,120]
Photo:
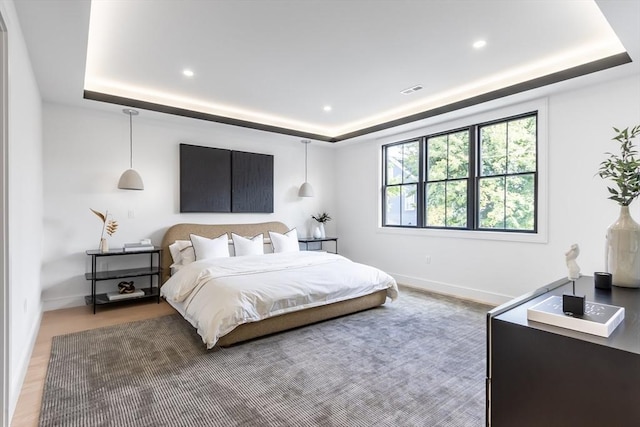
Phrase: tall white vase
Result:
[318,231]
[623,251]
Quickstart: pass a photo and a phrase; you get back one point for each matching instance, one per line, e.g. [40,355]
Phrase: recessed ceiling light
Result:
[327,108]
[187,72]
[479,44]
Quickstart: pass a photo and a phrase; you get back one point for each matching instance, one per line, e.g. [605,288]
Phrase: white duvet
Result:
[219,294]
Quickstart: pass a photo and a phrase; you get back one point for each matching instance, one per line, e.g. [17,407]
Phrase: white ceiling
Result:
[277,63]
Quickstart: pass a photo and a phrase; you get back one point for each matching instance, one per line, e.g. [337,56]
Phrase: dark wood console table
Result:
[542,375]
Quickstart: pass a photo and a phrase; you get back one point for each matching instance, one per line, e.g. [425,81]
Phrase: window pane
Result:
[394,164]
[393,205]
[457,204]
[458,155]
[522,145]
[520,203]
[437,158]
[409,212]
[435,202]
[410,162]
[401,208]
[493,149]
[491,203]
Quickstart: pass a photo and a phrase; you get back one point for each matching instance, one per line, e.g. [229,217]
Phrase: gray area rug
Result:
[419,361]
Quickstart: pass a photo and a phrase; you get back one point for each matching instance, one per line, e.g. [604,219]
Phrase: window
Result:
[401,183]
[447,181]
[507,176]
[481,177]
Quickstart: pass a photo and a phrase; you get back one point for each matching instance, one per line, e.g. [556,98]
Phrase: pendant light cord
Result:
[305,161]
[130,141]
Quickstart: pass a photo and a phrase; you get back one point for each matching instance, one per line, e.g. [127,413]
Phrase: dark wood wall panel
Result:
[217,180]
[205,179]
[251,182]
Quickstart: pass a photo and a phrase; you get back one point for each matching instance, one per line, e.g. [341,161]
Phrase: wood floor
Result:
[60,322]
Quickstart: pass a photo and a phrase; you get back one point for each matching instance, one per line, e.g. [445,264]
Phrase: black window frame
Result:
[474,178]
[418,183]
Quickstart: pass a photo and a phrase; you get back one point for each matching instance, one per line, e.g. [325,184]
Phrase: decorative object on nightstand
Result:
[305,189]
[321,218]
[130,179]
[108,225]
[126,287]
[623,236]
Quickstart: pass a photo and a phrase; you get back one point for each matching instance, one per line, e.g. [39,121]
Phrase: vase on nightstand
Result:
[623,251]
[317,231]
[104,245]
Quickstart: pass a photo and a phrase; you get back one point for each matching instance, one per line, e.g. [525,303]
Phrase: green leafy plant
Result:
[108,225]
[323,217]
[623,169]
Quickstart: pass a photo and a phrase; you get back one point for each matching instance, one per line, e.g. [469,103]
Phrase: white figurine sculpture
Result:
[572,265]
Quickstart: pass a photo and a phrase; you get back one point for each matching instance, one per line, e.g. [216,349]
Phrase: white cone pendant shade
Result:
[306,190]
[130,179]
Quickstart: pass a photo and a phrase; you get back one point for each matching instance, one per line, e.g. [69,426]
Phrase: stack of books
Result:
[136,247]
[113,296]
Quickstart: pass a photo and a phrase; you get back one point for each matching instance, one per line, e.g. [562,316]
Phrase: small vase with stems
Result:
[321,218]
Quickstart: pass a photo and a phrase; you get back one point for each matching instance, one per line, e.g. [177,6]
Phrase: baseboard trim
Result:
[457,291]
[23,366]
[64,302]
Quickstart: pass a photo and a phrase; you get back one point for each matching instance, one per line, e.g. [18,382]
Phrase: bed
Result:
[197,290]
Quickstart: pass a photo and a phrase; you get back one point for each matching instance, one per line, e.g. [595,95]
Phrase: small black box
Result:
[573,304]
[602,280]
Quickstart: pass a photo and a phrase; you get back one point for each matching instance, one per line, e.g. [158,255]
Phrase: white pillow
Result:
[248,246]
[182,252]
[287,242]
[206,248]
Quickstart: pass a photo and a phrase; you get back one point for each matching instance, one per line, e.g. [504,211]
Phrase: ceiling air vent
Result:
[411,90]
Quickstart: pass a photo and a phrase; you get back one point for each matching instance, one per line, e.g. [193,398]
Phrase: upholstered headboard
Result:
[182,232]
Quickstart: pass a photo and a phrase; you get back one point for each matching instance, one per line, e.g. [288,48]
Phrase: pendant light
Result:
[130,179]
[306,190]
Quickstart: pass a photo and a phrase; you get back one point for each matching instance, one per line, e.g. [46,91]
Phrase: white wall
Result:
[25,204]
[579,132]
[86,151]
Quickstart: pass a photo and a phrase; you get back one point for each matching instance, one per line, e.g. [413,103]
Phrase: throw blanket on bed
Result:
[219,294]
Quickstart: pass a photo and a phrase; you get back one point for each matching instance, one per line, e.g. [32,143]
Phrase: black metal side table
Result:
[150,271]
[321,240]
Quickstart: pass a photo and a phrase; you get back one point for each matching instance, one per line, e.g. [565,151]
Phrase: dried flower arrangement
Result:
[108,225]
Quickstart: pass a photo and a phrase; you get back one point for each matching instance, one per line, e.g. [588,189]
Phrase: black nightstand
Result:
[147,271]
[307,240]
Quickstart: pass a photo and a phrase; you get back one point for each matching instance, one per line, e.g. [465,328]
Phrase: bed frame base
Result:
[295,319]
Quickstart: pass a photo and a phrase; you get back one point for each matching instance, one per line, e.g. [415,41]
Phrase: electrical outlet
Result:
[427,259]
[132,214]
